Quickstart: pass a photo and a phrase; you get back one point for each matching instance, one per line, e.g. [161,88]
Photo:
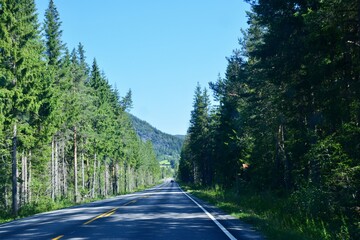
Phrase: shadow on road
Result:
[160,213]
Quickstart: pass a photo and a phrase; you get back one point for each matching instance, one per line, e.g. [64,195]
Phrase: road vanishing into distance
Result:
[162,212]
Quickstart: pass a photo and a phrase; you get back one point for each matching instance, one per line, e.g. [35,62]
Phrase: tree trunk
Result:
[29,180]
[284,157]
[277,171]
[94,179]
[52,171]
[121,178]
[14,174]
[26,179]
[82,171]
[21,185]
[88,173]
[105,177]
[56,165]
[314,163]
[131,179]
[116,179]
[125,178]
[64,191]
[6,196]
[61,168]
[75,168]
[99,177]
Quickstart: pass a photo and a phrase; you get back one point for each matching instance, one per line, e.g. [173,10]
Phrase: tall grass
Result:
[278,217]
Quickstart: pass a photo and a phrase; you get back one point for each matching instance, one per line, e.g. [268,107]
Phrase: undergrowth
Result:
[277,217]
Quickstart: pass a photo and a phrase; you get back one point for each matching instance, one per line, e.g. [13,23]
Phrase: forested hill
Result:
[166,146]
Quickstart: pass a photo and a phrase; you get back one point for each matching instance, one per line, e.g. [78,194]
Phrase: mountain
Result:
[182,137]
[166,146]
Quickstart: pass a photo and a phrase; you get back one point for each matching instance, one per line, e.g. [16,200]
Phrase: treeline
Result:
[288,115]
[64,131]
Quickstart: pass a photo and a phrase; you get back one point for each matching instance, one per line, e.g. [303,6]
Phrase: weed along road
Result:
[162,212]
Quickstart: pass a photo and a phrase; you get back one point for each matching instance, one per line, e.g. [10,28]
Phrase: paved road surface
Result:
[163,212]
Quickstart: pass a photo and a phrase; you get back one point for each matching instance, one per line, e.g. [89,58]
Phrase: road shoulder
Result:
[236,227]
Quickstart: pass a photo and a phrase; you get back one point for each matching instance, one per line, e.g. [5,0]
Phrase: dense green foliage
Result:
[288,115]
[65,135]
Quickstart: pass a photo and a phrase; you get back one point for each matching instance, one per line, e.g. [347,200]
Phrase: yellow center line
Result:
[106,214]
[58,237]
[109,214]
[102,215]
[133,201]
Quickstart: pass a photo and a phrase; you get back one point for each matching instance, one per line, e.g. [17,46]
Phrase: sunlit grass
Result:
[274,216]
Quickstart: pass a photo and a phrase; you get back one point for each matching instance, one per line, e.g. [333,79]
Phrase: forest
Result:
[287,114]
[166,146]
[65,134]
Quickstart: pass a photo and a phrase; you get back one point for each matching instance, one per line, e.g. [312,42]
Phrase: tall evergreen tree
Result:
[233,144]
[53,33]
[59,85]
[23,77]
[199,157]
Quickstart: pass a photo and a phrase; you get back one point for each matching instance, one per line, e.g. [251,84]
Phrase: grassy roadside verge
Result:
[275,217]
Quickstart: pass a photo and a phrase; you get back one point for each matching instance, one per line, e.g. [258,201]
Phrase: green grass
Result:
[276,217]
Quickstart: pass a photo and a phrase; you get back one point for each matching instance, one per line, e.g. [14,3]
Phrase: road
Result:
[162,212]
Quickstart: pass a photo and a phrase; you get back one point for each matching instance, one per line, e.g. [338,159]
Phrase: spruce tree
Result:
[52,34]
[59,84]
[198,133]
[23,75]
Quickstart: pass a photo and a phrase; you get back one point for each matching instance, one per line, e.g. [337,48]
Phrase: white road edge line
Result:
[211,217]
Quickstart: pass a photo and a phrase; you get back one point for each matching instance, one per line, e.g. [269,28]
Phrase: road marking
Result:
[108,213]
[133,201]
[211,217]
[58,237]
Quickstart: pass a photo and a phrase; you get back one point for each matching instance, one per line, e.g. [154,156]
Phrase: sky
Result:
[160,49]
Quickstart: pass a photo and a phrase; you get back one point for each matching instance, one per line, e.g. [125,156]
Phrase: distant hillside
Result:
[182,137]
[166,146]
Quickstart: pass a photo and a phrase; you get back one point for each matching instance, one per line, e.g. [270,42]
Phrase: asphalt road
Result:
[162,212]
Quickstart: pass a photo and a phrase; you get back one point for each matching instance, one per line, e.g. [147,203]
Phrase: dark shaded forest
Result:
[65,134]
[288,112]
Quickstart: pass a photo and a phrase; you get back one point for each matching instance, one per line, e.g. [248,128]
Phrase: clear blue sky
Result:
[160,48]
